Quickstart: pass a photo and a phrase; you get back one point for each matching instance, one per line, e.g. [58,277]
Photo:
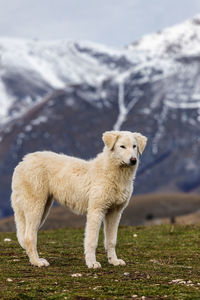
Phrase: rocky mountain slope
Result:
[62,95]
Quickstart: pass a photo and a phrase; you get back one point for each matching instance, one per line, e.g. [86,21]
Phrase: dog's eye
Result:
[134,146]
[122,146]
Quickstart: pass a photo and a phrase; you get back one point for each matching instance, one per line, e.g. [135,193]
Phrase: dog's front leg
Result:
[94,220]
[111,223]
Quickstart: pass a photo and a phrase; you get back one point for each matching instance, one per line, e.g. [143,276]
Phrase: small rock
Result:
[143,298]
[135,235]
[97,287]
[9,280]
[126,273]
[154,261]
[176,280]
[76,275]
[134,296]
[7,240]
[182,282]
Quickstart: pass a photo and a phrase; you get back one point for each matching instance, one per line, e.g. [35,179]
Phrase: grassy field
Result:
[163,262]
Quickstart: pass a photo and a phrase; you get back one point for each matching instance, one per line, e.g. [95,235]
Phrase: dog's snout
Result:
[133,161]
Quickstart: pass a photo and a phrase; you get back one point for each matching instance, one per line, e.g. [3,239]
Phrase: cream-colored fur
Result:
[100,187]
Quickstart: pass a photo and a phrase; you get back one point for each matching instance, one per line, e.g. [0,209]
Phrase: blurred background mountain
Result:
[62,95]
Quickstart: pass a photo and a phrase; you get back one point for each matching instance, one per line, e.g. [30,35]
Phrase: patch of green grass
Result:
[155,257]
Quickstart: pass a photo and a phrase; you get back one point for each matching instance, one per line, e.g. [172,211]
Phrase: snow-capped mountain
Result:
[62,95]
[30,69]
[177,41]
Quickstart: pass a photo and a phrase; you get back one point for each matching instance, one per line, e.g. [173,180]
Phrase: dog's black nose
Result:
[133,161]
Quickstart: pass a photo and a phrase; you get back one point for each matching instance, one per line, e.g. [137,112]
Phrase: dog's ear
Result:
[141,141]
[110,138]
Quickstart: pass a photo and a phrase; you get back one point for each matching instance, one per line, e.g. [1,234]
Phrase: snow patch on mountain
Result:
[57,62]
[5,102]
[183,105]
[178,40]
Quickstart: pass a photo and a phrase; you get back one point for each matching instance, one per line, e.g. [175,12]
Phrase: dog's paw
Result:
[41,262]
[117,262]
[44,262]
[94,265]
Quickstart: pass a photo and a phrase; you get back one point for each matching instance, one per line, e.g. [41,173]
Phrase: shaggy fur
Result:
[100,187]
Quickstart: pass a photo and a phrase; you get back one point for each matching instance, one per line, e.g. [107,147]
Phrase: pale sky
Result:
[112,22]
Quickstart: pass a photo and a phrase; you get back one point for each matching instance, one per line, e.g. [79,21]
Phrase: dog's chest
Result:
[122,194]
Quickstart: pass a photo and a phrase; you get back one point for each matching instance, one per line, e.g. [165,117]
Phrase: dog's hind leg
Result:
[33,221]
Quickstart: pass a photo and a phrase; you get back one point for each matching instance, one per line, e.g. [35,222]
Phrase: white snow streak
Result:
[183,105]
[160,129]
[123,109]
[5,102]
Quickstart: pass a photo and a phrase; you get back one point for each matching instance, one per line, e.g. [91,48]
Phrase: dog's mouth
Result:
[127,165]
[124,165]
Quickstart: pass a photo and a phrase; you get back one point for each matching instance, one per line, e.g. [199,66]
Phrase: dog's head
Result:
[125,146]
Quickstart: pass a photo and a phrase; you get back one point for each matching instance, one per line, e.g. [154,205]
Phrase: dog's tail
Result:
[46,210]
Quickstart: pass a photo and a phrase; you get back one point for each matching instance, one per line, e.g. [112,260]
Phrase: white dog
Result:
[100,187]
